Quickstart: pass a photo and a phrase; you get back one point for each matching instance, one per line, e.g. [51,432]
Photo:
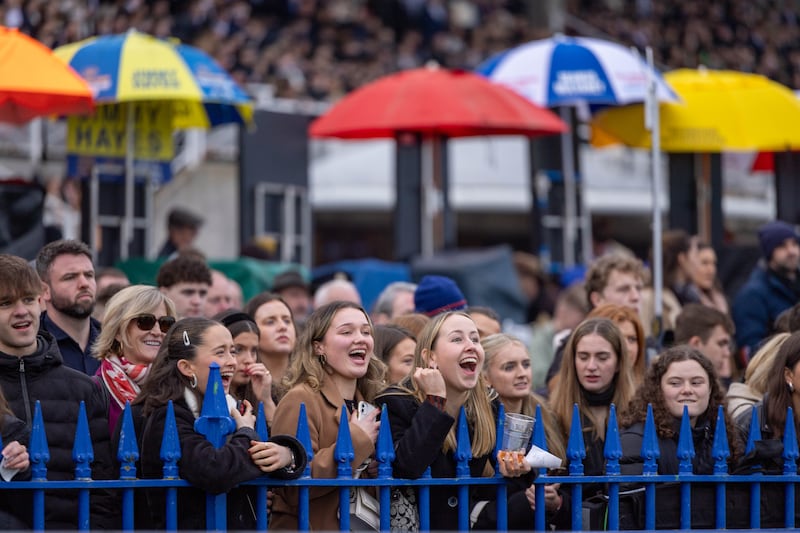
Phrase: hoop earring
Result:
[193,384]
[322,359]
[790,385]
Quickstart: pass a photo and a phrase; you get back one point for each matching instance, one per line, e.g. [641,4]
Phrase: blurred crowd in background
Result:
[322,49]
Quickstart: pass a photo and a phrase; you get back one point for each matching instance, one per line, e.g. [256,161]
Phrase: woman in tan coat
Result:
[333,366]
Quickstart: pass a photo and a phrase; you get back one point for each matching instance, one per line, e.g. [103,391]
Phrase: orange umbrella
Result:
[34,82]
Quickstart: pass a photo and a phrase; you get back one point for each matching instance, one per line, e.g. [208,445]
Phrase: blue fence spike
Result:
[304,436]
[463,445]
[685,444]
[261,423]
[539,438]
[128,451]
[720,450]
[39,452]
[384,451]
[790,448]
[343,453]
[650,450]
[215,420]
[170,445]
[82,450]
[612,450]
[754,434]
[576,449]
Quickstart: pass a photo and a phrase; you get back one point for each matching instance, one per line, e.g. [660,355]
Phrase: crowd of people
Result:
[422,352]
[323,49]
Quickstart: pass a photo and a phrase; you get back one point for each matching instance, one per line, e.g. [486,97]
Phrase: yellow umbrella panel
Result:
[721,111]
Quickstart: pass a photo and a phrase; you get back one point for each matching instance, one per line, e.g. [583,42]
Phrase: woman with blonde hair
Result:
[508,371]
[629,324]
[333,365]
[594,374]
[136,320]
[742,396]
[423,411]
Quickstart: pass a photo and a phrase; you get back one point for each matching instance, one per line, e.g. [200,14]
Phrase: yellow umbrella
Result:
[721,111]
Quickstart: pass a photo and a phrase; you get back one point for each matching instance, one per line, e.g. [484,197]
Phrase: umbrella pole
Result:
[653,122]
[127,220]
[568,168]
[428,211]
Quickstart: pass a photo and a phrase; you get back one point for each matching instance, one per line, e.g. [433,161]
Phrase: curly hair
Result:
[600,271]
[307,368]
[650,392]
[183,269]
[568,391]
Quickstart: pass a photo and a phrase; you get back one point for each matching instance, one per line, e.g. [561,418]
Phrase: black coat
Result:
[668,494]
[419,431]
[208,470]
[42,376]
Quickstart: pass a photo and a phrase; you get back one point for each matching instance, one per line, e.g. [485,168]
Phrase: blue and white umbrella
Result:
[569,71]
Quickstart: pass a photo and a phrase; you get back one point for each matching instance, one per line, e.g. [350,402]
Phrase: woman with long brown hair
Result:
[333,365]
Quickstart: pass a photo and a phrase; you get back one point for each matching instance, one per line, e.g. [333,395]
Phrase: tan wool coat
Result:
[323,409]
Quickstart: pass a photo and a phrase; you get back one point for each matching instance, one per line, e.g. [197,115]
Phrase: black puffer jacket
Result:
[42,377]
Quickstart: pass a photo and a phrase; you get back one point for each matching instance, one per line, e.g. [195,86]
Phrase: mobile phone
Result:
[241,407]
[364,409]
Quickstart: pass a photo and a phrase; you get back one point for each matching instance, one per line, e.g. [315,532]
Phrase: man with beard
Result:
[69,287]
[772,287]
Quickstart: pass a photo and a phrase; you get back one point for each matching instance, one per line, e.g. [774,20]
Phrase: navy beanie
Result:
[437,294]
[774,234]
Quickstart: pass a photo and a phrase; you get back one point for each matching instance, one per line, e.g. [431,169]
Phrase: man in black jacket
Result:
[31,370]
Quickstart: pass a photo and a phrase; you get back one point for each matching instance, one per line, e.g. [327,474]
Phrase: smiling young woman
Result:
[333,365]
[680,377]
[180,374]
[423,410]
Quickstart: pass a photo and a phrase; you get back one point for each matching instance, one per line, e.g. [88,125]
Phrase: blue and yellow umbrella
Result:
[136,67]
[145,88]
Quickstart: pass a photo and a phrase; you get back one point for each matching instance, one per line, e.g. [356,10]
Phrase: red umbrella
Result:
[434,102]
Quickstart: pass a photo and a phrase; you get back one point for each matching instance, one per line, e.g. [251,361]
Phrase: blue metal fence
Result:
[215,424]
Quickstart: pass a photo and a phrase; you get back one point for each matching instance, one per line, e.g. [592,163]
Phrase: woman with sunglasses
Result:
[136,320]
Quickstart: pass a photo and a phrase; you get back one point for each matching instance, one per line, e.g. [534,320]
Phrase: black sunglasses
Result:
[146,322]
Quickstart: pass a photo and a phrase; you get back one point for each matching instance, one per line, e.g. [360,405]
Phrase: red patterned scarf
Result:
[122,378]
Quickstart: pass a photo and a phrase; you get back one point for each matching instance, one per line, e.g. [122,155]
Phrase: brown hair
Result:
[568,391]
[19,279]
[650,393]
[601,269]
[306,367]
[698,320]
[52,250]
[413,322]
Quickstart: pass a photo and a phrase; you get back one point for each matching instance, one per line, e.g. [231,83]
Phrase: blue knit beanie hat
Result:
[437,294]
[774,234]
